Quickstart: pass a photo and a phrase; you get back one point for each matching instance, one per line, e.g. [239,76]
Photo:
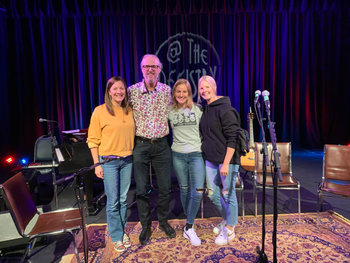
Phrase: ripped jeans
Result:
[190,172]
[225,203]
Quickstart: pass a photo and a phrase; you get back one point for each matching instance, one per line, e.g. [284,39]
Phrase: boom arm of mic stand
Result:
[82,201]
[81,171]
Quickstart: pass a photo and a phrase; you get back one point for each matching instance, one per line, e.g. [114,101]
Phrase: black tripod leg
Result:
[262,258]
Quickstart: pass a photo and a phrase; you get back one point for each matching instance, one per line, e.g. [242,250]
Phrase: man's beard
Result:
[151,80]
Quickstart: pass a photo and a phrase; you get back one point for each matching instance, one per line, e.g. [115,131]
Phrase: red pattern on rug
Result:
[296,241]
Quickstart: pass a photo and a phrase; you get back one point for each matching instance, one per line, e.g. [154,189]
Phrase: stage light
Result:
[9,159]
[24,161]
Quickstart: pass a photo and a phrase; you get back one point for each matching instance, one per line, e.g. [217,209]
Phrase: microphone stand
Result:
[79,183]
[277,173]
[54,183]
[262,258]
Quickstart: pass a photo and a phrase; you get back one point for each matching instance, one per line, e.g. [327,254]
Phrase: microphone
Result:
[257,94]
[42,120]
[266,94]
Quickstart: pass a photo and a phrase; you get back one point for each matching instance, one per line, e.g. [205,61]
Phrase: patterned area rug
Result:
[296,242]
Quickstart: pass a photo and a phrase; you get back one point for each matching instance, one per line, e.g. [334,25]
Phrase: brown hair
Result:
[108,98]
[189,102]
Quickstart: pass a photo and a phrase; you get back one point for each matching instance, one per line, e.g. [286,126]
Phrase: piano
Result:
[76,155]
[72,155]
[73,136]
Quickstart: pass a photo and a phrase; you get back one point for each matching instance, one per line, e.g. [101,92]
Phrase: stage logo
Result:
[189,56]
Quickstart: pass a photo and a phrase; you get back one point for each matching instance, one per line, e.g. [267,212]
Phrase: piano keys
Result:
[34,166]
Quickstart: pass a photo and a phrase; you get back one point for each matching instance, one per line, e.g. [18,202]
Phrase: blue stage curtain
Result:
[56,56]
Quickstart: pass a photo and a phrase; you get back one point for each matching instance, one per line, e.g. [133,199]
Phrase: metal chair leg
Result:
[291,198]
[202,206]
[318,211]
[243,208]
[256,199]
[299,204]
[75,246]
[25,254]
[29,248]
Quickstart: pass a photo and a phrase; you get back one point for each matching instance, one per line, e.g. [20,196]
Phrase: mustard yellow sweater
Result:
[112,135]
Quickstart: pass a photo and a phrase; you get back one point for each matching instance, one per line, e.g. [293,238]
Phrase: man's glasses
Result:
[150,67]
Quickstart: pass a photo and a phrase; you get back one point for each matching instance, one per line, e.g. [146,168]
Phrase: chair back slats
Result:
[289,182]
[336,162]
[284,148]
[19,201]
[259,156]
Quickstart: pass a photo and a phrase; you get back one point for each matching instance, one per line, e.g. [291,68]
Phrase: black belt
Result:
[157,140]
[113,157]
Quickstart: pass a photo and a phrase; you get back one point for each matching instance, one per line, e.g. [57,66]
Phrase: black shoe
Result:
[169,231]
[92,211]
[145,235]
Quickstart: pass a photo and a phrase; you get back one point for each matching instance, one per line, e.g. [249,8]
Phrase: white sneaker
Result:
[126,241]
[230,235]
[217,230]
[224,237]
[191,235]
[118,246]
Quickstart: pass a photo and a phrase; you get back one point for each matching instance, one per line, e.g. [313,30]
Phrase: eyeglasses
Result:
[150,67]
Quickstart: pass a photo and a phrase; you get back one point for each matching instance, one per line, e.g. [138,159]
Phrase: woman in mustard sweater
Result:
[111,135]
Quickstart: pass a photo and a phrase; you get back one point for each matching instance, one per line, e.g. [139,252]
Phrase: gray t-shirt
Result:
[185,127]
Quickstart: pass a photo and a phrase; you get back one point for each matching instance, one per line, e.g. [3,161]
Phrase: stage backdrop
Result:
[56,56]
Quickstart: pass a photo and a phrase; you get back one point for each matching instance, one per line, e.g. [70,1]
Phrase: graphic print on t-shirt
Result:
[184,118]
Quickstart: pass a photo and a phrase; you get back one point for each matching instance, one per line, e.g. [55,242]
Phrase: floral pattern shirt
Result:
[150,109]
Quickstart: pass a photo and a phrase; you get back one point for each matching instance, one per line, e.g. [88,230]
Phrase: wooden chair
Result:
[239,187]
[22,209]
[289,182]
[335,174]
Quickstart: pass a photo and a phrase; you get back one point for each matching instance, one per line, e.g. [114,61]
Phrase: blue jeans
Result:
[226,203]
[160,155]
[117,178]
[190,173]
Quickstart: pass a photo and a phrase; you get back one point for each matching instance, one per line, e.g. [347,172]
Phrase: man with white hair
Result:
[150,100]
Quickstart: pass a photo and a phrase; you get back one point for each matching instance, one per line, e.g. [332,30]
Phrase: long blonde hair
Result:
[108,98]
[189,102]
[211,81]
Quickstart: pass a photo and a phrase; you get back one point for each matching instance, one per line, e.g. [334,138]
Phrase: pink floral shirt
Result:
[150,109]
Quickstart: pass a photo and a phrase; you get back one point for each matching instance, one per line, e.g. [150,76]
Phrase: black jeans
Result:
[160,155]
